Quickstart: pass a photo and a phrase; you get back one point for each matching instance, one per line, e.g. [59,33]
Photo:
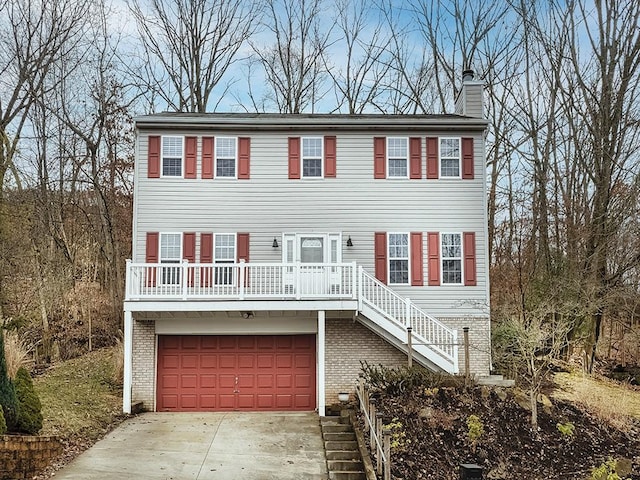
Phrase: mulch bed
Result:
[431,437]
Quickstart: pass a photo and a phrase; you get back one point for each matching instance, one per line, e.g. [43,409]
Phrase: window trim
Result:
[170,276]
[235,247]
[217,138]
[441,157]
[182,156]
[388,159]
[164,234]
[460,259]
[408,258]
[321,158]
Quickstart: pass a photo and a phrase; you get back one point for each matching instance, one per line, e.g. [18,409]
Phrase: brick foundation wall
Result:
[144,361]
[348,343]
[23,456]
[479,342]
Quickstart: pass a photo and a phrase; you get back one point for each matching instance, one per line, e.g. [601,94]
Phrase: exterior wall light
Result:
[349,242]
[275,243]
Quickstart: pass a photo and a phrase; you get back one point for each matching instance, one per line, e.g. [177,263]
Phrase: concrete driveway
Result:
[220,446]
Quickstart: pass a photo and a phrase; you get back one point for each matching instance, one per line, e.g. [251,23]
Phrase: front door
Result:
[312,253]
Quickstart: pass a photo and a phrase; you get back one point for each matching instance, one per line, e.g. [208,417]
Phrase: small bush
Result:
[395,381]
[606,471]
[3,424]
[475,429]
[8,399]
[16,352]
[29,406]
[566,429]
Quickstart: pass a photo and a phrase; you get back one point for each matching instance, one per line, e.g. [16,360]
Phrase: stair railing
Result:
[428,330]
[379,435]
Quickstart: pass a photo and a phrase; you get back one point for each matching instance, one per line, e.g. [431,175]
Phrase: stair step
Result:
[343,455]
[336,428]
[345,465]
[334,420]
[341,445]
[338,436]
[342,475]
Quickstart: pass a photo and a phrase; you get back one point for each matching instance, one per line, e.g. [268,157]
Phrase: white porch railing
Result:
[240,281]
[426,329]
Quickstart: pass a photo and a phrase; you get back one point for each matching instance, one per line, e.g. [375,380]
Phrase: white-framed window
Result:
[312,157]
[226,159]
[451,247]
[170,252]
[398,246]
[397,157]
[224,251]
[450,155]
[172,156]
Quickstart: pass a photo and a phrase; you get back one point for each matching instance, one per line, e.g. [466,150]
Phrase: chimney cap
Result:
[468,75]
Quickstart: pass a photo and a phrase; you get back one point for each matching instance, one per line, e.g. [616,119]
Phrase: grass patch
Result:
[80,398]
[610,401]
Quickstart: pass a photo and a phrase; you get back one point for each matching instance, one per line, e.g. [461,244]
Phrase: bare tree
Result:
[188,47]
[359,83]
[294,64]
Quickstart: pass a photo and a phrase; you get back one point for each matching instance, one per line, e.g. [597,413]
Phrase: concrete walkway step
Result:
[336,428]
[347,475]
[345,465]
[339,436]
[351,445]
[343,455]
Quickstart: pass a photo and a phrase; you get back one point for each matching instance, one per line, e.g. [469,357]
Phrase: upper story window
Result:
[451,258]
[397,157]
[170,252]
[312,157]
[172,153]
[226,157]
[449,157]
[398,258]
[224,251]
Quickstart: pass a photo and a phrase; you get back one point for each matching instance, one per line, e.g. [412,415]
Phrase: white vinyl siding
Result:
[311,157]
[354,204]
[451,248]
[450,157]
[172,156]
[226,157]
[397,157]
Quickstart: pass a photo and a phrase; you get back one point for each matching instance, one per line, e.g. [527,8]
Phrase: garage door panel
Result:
[254,372]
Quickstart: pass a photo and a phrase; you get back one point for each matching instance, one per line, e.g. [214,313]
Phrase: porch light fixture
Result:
[247,314]
[275,243]
[349,242]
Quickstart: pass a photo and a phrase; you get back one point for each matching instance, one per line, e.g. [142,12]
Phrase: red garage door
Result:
[249,372]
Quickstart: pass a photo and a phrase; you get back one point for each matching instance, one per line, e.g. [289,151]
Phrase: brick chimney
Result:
[469,99]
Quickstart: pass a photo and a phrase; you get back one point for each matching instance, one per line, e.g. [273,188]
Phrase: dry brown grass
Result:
[16,352]
[612,402]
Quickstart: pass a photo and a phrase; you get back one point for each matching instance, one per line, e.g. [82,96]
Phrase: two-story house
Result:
[272,254]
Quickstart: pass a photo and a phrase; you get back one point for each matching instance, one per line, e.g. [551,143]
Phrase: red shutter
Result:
[467,158]
[330,157]
[244,149]
[433,246]
[153,157]
[191,156]
[294,157]
[469,245]
[153,241]
[243,253]
[243,247]
[189,253]
[206,256]
[207,157]
[380,246]
[379,157]
[417,275]
[415,157]
[432,157]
